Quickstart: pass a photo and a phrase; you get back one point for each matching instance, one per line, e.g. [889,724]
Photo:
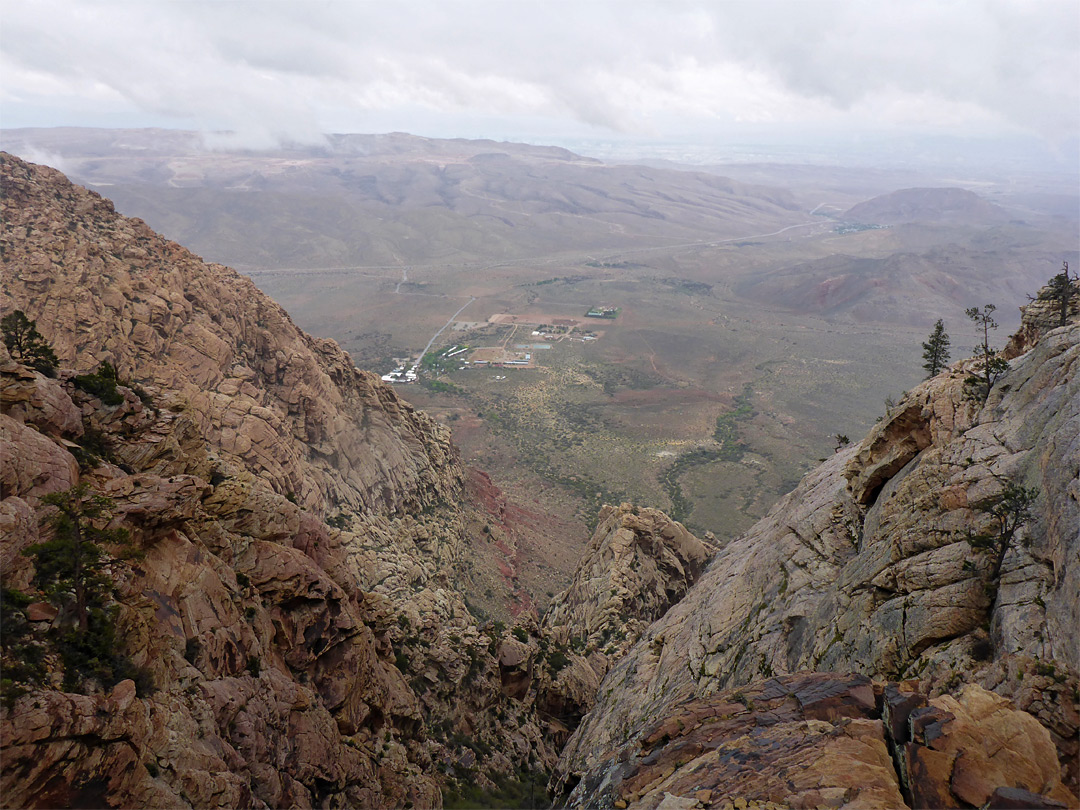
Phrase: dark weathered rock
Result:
[1006,798]
[817,739]
[896,709]
[799,741]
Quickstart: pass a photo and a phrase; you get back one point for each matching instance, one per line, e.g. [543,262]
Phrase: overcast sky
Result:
[665,70]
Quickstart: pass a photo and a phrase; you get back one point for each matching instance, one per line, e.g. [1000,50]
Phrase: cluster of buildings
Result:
[603,312]
[500,357]
[402,375]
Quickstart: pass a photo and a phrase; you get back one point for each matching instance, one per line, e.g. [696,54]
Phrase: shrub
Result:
[101,384]
[22,656]
[558,661]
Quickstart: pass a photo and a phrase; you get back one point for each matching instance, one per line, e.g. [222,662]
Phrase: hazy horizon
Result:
[826,81]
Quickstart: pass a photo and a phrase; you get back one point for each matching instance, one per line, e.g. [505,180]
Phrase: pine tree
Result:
[1062,291]
[1012,509]
[26,344]
[936,350]
[71,566]
[991,364]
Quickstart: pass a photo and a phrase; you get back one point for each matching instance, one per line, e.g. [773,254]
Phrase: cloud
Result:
[286,70]
[43,157]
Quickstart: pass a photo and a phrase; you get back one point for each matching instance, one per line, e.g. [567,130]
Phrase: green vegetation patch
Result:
[731,449]
[669,479]
[687,286]
[856,227]
[440,386]
[609,313]
[727,427]
[101,384]
[522,789]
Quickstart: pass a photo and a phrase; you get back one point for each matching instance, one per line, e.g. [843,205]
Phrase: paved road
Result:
[445,326]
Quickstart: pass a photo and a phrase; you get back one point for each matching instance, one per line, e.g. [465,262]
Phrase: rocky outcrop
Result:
[277,659]
[260,680]
[959,751]
[825,740]
[289,407]
[1042,314]
[890,560]
[638,564]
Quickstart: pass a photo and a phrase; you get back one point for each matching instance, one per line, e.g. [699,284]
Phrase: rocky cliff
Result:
[289,407]
[904,557]
[638,563]
[288,630]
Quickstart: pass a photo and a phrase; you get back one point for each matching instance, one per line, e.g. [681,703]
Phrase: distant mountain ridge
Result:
[398,198]
[951,206]
[904,287]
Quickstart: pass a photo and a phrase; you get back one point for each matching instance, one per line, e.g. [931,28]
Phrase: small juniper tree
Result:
[841,441]
[25,343]
[990,364]
[936,350]
[101,384]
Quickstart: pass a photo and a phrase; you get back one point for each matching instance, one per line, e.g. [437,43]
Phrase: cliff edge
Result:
[897,559]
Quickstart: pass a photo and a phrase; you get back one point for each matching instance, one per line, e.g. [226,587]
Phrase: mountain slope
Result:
[293,408]
[955,206]
[401,199]
[263,656]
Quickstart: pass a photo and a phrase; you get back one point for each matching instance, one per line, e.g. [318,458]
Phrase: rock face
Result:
[244,644]
[287,406]
[279,660]
[638,564]
[826,740]
[888,560]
